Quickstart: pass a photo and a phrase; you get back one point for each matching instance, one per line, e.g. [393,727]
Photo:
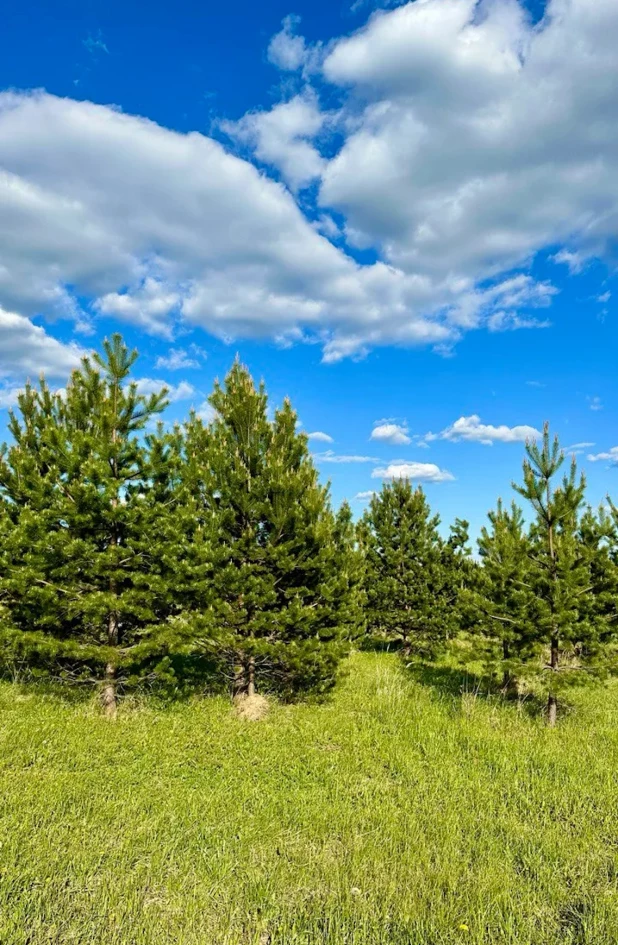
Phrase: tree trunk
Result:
[552,701]
[239,686]
[251,676]
[507,679]
[108,694]
[552,710]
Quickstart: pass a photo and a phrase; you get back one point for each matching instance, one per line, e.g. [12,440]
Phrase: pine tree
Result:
[460,576]
[281,603]
[349,594]
[598,537]
[87,565]
[559,576]
[504,600]
[409,588]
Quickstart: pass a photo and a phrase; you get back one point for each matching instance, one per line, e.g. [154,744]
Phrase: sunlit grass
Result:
[395,813]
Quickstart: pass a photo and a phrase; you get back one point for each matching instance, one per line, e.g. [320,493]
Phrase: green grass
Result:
[396,813]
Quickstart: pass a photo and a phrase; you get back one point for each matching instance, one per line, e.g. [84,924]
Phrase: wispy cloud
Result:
[576,261]
[577,448]
[8,397]
[331,457]
[320,437]
[611,456]
[95,44]
[176,359]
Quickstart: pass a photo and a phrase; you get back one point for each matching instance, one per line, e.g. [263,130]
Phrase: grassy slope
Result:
[394,814]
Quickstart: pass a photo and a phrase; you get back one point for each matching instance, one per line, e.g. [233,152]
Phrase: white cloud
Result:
[148,223]
[282,137]
[177,359]
[181,391]
[287,50]
[26,349]
[206,412]
[510,321]
[326,225]
[604,297]
[577,448]
[576,261]
[595,403]
[8,397]
[394,433]
[148,306]
[331,457]
[421,472]
[364,496]
[482,139]
[320,437]
[473,430]
[610,456]
[467,141]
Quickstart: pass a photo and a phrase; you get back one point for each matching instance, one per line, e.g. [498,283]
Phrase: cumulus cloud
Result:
[467,141]
[364,496]
[282,137]
[287,50]
[473,430]
[147,222]
[181,391]
[395,434]
[147,307]
[320,437]
[331,457]
[595,403]
[611,456]
[27,349]
[420,472]
[483,138]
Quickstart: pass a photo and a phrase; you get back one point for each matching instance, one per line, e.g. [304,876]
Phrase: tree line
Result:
[210,555]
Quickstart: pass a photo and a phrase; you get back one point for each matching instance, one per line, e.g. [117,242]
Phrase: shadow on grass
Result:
[178,681]
[453,682]
[370,643]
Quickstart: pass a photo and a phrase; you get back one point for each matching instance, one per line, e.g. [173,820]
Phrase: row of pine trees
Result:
[535,613]
[208,555]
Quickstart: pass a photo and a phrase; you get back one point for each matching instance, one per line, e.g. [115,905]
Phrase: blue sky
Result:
[404,217]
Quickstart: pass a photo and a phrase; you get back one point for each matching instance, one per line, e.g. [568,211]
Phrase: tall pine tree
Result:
[87,567]
[410,583]
[283,601]
[568,636]
[503,595]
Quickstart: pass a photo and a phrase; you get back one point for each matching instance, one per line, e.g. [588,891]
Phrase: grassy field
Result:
[396,813]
